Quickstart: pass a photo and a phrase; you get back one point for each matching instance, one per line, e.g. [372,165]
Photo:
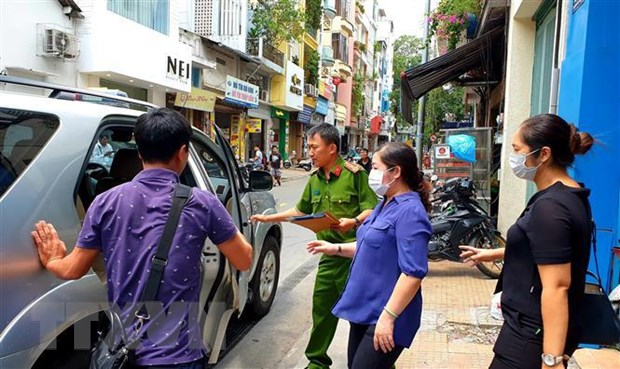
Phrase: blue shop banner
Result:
[322,105]
[305,115]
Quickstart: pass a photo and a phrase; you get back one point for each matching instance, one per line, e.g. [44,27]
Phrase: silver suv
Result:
[48,171]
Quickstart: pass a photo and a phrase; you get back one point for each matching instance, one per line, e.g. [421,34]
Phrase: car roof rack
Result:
[72,93]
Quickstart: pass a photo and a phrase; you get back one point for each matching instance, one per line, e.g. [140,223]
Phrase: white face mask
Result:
[375,181]
[517,164]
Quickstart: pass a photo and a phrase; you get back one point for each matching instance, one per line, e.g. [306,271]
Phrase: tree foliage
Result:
[311,67]
[314,10]
[439,104]
[357,95]
[277,20]
[407,54]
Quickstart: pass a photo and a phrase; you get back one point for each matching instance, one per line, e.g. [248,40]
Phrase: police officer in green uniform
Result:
[341,188]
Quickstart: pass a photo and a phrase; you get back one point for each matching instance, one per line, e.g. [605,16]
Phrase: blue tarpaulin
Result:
[463,147]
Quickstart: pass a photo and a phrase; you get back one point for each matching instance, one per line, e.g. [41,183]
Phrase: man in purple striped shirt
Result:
[126,223]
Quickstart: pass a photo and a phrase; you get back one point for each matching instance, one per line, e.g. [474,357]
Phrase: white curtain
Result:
[154,14]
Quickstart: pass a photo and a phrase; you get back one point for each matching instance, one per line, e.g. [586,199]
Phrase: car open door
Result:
[240,212]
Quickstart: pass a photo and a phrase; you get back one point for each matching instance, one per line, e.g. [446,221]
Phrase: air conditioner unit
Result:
[60,44]
[310,90]
[264,95]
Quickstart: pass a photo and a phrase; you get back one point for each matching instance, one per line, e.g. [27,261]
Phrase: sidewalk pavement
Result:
[293,174]
[457,330]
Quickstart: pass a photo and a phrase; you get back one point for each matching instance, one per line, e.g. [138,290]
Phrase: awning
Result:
[484,52]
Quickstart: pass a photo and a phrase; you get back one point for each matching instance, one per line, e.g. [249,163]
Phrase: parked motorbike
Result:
[247,167]
[305,164]
[458,219]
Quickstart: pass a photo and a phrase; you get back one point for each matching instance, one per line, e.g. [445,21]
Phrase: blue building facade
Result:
[589,96]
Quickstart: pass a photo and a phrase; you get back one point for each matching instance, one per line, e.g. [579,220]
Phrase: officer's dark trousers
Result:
[328,285]
[361,352]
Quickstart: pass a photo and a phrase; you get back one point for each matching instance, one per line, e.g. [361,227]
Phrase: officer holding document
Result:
[341,189]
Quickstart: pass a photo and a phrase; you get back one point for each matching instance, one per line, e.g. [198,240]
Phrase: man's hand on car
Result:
[259,218]
[49,245]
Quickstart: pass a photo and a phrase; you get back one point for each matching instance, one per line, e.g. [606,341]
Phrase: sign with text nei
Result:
[241,93]
[178,70]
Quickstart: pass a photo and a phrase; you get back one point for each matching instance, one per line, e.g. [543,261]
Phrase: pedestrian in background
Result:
[547,250]
[275,163]
[365,161]
[382,299]
[258,158]
[126,223]
[342,188]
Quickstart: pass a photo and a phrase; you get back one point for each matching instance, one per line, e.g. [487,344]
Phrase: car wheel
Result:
[265,281]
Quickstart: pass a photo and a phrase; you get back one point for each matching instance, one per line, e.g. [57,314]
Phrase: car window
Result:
[22,136]
[112,160]
[215,169]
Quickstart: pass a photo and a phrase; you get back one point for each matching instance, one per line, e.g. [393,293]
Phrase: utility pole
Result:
[422,101]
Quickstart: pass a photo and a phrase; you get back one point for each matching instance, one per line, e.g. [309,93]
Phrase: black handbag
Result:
[600,324]
[108,354]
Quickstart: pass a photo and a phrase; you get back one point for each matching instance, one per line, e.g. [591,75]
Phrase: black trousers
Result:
[361,351]
[515,350]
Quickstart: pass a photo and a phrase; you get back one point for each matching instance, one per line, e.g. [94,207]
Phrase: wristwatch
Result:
[551,360]
[357,222]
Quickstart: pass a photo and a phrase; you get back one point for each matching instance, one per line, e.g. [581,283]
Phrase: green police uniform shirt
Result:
[346,194]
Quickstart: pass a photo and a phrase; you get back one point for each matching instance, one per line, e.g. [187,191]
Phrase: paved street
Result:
[457,330]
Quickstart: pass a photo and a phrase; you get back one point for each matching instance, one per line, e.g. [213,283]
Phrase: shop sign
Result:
[442,151]
[197,99]
[322,105]
[294,86]
[325,90]
[279,113]
[253,125]
[178,70]
[241,93]
[305,115]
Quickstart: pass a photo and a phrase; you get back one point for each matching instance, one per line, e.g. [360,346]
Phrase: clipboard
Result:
[316,222]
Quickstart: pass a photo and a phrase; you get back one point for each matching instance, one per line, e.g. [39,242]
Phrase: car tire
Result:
[265,281]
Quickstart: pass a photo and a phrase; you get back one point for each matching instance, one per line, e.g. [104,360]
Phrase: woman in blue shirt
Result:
[382,299]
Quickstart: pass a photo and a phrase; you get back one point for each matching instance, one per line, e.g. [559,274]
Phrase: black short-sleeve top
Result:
[554,228]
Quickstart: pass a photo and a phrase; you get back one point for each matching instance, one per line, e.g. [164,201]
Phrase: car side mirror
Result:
[260,180]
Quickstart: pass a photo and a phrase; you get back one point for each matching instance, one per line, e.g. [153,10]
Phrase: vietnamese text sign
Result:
[241,93]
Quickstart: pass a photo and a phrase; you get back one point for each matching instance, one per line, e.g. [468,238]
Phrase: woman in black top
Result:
[547,250]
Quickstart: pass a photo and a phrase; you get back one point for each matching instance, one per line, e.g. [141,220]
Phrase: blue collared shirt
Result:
[126,224]
[391,241]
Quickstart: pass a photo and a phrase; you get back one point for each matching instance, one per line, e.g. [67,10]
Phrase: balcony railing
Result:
[329,7]
[258,47]
[327,55]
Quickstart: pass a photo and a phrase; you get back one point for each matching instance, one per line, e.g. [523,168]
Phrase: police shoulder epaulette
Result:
[352,167]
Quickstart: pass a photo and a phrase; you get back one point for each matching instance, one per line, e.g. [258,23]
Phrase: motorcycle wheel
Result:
[307,167]
[486,240]
[287,164]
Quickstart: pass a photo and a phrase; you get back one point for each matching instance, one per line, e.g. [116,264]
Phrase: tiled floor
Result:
[457,330]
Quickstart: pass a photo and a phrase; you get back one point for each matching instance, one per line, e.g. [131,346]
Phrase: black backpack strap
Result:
[182,194]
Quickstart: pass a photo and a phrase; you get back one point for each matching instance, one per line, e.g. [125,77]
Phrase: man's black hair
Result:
[160,133]
[327,132]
